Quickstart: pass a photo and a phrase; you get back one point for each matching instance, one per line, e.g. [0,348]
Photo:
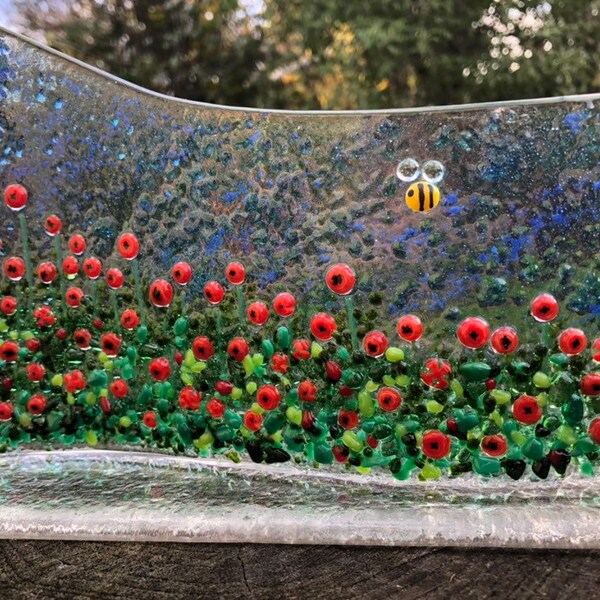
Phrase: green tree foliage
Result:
[198,49]
[344,54]
[333,54]
[538,49]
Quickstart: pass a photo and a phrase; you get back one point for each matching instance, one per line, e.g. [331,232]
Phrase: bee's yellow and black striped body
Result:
[422,196]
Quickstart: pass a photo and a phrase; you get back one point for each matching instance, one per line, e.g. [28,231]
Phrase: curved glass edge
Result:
[131,496]
[591,97]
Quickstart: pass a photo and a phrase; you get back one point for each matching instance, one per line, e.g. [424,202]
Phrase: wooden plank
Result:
[134,571]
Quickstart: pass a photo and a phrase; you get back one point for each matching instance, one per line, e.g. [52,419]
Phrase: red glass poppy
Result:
[9,351]
[214,292]
[436,373]
[36,405]
[77,244]
[33,344]
[35,372]
[594,430]
[215,408]
[505,340]
[590,384]
[375,344]
[14,268]
[202,348]
[235,273]
[119,388]
[389,399]
[473,332]
[340,279]
[436,444]
[258,313]
[544,308]
[189,398]
[149,419]
[527,410]
[253,421]
[181,273]
[280,362]
[130,319]
[347,419]
[6,411]
[115,278]
[596,350]
[44,317]
[47,272]
[322,326]
[572,341]
[52,225]
[74,381]
[301,349]
[92,267]
[15,197]
[70,266]
[307,391]
[494,445]
[83,338]
[110,344]
[268,397]
[161,293]
[238,349]
[8,305]
[128,246]
[410,328]
[160,368]
[74,296]
[284,304]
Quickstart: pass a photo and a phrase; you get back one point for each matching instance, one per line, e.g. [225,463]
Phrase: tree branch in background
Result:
[333,54]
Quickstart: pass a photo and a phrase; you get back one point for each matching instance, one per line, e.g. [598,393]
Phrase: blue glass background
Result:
[290,193]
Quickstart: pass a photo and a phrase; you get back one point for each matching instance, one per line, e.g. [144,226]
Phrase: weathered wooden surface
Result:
[40,570]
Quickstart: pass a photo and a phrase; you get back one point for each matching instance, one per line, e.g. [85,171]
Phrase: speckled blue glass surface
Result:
[291,193]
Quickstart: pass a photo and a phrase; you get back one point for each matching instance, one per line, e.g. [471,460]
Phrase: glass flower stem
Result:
[221,353]
[546,340]
[27,258]
[183,302]
[351,322]
[61,276]
[241,304]
[138,289]
[115,307]
[94,285]
[19,313]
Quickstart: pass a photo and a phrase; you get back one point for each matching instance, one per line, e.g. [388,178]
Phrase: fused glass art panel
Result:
[228,324]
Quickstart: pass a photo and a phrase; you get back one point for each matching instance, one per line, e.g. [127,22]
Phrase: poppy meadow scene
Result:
[91,355]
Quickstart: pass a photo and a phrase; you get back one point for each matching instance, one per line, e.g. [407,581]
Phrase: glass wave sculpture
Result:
[223,324]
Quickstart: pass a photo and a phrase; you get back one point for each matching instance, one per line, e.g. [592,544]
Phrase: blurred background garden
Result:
[328,54]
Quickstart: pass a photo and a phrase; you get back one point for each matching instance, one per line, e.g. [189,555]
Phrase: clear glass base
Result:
[132,496]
